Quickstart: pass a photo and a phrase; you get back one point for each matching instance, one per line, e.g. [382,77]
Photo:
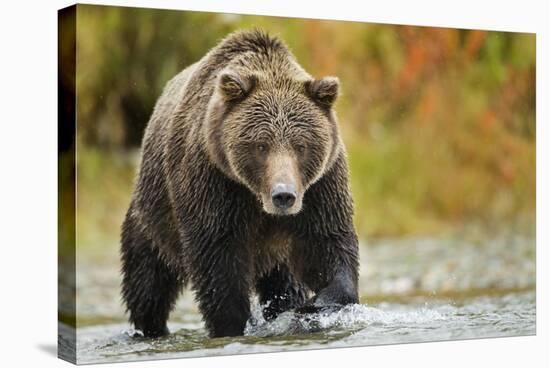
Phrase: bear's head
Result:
[276,136]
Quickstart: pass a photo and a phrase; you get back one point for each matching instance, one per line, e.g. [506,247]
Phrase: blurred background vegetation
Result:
[439,123]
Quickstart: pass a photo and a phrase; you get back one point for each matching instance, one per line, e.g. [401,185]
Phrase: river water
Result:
[412,290]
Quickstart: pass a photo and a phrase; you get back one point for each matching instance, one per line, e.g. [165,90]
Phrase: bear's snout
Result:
[282,191]
[283,195]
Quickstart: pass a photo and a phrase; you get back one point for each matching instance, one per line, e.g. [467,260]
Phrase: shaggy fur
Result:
[223,132]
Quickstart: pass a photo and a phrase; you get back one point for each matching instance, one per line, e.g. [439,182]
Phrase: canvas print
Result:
[234,184]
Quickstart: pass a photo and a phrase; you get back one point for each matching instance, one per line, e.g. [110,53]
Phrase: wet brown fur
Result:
[199,213]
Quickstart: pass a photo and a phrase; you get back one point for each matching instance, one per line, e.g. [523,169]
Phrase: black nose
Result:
[283,195]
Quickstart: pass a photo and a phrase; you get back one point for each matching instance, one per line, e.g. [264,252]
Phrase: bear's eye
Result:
[301,148]
[261,147]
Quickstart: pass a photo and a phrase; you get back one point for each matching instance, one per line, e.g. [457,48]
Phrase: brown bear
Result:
[243,188]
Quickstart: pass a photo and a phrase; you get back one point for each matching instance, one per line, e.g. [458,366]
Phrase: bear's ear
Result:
[324,91]
[234,87]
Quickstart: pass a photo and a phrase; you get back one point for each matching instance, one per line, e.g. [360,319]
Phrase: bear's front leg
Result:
[342,290]
[332,273]
[220,279]
[149,285]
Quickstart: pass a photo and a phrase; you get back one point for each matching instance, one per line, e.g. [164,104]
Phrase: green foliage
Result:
[439,123]
[125,56]
[105,183]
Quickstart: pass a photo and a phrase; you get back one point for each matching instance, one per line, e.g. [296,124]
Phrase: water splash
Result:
[354,317]
[354,325]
